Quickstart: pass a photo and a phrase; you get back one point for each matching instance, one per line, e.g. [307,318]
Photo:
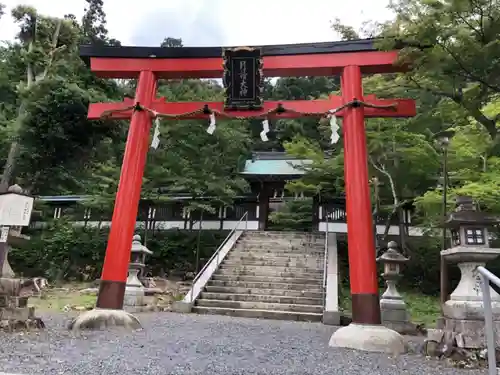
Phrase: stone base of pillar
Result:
[469,334]
[370,338]
[97,319]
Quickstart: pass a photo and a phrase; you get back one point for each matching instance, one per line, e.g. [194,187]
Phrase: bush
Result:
[422,272]
[63,252]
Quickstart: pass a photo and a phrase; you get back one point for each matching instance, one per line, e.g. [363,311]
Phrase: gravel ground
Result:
[197,344]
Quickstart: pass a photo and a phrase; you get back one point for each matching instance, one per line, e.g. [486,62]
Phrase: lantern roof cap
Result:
[466,214]
[392,255]
[138,247]
[15,189]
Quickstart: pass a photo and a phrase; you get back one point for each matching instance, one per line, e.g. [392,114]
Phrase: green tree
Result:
[94,25]
[452,49]
[42,41]
[45,90]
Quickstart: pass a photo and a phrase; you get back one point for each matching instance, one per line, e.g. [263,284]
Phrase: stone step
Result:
[266,269]
[275,252]
[259,305]
[275,234]
[278,261]
[255,283]
[270,256]
[270,272]
[286,240]
[315,293]
[284,244]
[268,279]
[259,314]
[286,263]
[267,298]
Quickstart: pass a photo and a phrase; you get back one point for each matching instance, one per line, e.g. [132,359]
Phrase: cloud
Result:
[198,23]
[214,22]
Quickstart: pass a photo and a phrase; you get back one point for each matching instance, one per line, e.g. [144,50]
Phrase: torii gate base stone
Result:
[350,59]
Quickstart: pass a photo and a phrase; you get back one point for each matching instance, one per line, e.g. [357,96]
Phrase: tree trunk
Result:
[8,168]
[10,164]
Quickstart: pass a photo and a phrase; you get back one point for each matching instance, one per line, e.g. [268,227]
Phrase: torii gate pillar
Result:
[365,332]
[360,237]
[128,195]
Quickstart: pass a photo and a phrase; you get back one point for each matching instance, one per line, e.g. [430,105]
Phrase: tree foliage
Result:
[453,49]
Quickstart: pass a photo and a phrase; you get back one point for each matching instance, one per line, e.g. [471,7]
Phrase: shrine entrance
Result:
[243,71]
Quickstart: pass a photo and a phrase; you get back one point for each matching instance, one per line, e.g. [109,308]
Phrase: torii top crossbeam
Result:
[317,59]
[289,60]
[351,60]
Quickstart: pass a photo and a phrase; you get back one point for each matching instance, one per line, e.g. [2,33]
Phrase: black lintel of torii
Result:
[360,45]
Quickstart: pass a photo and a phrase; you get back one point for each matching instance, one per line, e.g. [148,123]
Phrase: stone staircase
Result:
[272,275]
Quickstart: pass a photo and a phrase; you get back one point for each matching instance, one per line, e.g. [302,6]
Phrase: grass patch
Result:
[69,294]
[57,303]
[423,309]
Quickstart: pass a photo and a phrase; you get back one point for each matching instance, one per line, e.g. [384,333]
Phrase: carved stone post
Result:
[464,311]
[134,290]
[392,305]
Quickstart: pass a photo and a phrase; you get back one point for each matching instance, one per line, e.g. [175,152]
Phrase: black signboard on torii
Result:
[243,78]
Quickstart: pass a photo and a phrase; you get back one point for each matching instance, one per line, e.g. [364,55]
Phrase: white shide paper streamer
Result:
[265,130]
[211,127]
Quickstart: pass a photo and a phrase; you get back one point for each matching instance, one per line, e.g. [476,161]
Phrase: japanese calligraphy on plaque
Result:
[243,78]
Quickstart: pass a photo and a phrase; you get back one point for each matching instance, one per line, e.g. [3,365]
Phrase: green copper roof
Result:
[285,167]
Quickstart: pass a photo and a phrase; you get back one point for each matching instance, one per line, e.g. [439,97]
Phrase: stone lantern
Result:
[464,311]
[134,290]
[392,305]
[15,212]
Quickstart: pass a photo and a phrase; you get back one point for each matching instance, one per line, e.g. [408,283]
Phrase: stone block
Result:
[140,309]
[471,333]
[19,301]
[331,318]
[10,313]
[13,302]
[394,315]
[402,327]
[435,335]
[182,307]
[134,297]
[440,322]
[469,310]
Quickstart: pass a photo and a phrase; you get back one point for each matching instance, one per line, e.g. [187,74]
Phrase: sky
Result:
[215,22]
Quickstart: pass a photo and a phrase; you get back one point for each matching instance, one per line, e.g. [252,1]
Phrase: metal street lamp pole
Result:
[444,140]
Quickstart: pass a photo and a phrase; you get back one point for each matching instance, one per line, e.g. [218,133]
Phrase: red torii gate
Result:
[350,59]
